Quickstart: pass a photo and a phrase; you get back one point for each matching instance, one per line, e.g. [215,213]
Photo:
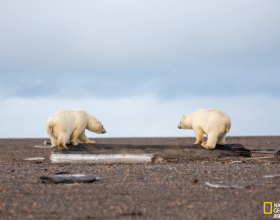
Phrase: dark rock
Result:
[277,153]
[194,181]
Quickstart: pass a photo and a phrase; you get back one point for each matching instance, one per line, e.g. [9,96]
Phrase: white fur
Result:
[212,122]
[65,125]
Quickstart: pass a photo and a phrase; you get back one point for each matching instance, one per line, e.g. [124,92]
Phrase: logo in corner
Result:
[264,208]
[269,209]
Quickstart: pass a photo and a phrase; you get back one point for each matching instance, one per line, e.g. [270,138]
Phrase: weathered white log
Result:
[104,158]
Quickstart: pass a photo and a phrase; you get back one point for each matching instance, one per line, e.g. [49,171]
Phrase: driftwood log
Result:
[163,151]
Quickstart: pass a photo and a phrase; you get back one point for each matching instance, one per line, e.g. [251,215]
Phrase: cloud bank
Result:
[141,116]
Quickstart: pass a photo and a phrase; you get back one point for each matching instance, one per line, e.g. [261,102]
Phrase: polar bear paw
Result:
[75,143]
[209,147]
[62,147]
[198,142]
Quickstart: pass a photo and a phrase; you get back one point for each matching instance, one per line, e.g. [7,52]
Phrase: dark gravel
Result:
[173,190]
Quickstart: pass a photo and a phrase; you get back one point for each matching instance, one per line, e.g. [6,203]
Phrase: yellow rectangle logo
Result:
[270,212]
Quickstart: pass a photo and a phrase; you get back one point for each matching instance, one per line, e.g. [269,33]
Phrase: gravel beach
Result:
[175,189]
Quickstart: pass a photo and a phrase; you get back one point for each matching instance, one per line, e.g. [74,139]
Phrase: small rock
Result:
[136,213]
[194,181]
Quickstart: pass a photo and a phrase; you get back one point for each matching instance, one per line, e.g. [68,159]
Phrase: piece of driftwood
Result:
[69,178]
[163,151]
[260,158]
[272,176]
[262,151]
[35,158]
[225,186]
[237,161]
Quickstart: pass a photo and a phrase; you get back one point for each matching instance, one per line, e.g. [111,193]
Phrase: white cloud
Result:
[141,116]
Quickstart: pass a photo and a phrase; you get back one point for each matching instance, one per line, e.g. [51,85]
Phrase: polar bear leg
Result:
[199,135]
[74,136]
[211,141]
[53,141]
[62,141]
[83,138]
[221,140]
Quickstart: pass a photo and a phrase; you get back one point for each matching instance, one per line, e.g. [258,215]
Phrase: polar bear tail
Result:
[50,127]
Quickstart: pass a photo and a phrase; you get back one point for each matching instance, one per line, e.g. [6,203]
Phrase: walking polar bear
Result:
[212,122]
[72,124]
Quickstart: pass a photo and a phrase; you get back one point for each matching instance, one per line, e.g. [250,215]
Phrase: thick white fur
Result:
[65,125]
[212,122]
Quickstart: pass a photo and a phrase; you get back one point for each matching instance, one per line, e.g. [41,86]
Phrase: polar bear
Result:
[212,122]
[65,125]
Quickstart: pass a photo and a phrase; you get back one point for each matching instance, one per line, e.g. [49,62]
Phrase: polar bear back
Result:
[67,121]
[211,120]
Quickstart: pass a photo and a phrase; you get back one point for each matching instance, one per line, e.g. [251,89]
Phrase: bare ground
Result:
[173,190]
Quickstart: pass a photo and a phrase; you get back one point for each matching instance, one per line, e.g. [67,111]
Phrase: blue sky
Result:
[108,57]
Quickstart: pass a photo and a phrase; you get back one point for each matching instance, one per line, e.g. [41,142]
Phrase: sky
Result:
[139,66]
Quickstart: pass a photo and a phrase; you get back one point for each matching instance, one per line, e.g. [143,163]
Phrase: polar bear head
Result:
[95,125]
[99,129]
[186,122]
